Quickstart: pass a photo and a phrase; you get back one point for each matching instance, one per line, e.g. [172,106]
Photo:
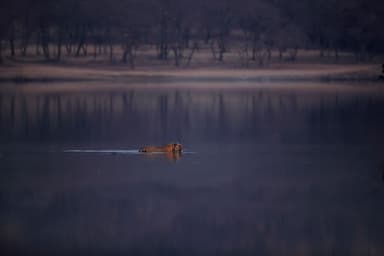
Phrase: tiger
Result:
[172,147]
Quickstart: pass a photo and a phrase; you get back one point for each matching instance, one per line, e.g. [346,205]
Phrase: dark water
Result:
[276,171]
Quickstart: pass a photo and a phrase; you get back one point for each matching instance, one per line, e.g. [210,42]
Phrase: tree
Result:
[259,22]
[220,18]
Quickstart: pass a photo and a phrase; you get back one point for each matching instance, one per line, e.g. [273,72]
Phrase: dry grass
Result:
[203,69]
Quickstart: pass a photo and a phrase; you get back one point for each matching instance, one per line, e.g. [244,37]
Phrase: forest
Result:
[176,29]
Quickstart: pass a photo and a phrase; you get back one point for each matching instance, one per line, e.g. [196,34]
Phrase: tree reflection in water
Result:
[180,114]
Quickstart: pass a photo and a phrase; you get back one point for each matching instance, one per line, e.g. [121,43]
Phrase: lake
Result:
[268,169]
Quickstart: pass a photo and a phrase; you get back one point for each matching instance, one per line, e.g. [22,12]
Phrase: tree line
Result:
[178,28]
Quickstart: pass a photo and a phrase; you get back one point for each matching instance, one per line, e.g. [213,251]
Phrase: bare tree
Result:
[222,18]
[259,26]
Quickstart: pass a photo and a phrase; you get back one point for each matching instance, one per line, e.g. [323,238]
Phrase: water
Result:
[268,169]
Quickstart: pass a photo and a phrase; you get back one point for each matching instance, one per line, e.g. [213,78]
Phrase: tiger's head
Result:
[177,147]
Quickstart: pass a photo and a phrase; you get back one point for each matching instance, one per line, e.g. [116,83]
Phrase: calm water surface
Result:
[272,170]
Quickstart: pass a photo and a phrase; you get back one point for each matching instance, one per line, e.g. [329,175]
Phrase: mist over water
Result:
[275,171]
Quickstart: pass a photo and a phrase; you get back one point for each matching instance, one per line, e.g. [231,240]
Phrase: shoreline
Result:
[49,73]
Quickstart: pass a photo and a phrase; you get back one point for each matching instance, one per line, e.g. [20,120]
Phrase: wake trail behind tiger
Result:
[116,151]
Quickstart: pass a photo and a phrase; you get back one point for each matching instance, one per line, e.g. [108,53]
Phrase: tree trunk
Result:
[336,54]
[12,45]
[81,44]
[132,57]
[69,42]
[60,32]
[129,55]
[194,48]
[213,50]
[45,42]
[12,39]
[269,53]
[106,39]
[186,37]
[254,36]
[243,53]
[110,52]
[221,55]
[1,51]
[207,37]
[78,49]
[222,48]
[45,47]
[25,39]
[24,49]
[85,49]
[68,48]
[125,54]
[261,58]
[177,55]
[24,42]
[321,52]
[38,39]
[163,54]
[59,44]
[95,50]
[253,52]
[293,54]
[281,52]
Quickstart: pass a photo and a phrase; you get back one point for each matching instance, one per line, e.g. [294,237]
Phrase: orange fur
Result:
[173,147]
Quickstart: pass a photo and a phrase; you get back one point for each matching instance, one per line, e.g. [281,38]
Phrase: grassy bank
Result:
[308,67]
